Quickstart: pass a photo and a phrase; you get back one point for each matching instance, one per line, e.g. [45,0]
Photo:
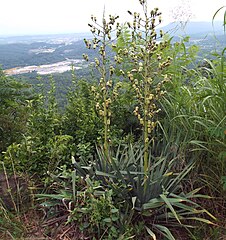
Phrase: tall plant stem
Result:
[103,75]
[146,110]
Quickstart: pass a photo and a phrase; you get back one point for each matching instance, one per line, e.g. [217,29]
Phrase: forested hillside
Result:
[39,53]
[132,146]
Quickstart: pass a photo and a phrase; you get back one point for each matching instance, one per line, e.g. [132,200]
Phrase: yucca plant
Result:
[145,176]
[157,195]
[146,180]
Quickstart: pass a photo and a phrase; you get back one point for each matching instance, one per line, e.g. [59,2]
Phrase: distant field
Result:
[58,67]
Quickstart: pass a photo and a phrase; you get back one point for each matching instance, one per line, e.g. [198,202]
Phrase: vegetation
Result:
[139,151]
[13,114]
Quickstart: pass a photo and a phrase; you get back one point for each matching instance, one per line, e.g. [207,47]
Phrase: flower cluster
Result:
[106,90]
[147,60]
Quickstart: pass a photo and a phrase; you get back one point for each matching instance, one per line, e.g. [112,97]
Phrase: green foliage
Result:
[80,119]
[96,212]
[125,126]
[91,207]
[198,108]
[149,183]
[156,194]
[208,233]
[13,111]
[172,110]
[10,225]
[43,146]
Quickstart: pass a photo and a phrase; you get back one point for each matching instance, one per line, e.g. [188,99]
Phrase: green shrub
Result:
[43,147]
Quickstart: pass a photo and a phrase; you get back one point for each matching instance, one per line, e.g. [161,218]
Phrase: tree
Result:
[13,96]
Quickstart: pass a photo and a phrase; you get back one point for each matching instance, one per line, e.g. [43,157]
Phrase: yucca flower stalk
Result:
[147,65]
[106,91]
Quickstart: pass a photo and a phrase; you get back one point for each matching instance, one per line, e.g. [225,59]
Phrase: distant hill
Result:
[47,38]
[194,28]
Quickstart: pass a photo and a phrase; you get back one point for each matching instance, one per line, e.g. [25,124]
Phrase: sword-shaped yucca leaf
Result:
[81,169]
[99,173]
[168,203]
[174,184]
[192,194]
[153,203]
[134,201]
[165,231]
[151,233]
[54,196]
[73,178]
[200,220]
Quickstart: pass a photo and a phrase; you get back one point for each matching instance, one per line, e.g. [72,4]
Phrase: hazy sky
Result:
[20,17]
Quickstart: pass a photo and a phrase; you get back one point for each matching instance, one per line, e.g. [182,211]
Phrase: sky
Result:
[26,17]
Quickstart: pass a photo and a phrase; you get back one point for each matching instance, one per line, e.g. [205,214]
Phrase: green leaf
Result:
[114,219]
[104,174]
[73,180]
[153,203]
[224,20]
[114,210]
[151,233]
[165,231]
[99,193]
[191,193]
[186,208]
[167,201]
[134,201]
[201,220]
[53,196]
[107,220]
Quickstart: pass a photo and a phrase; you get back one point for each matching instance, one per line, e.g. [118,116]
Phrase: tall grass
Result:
[195,113]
